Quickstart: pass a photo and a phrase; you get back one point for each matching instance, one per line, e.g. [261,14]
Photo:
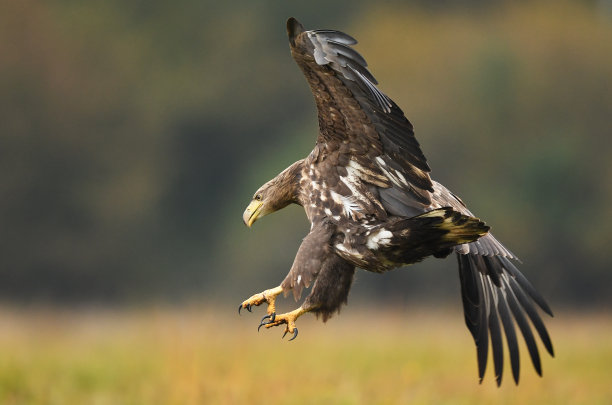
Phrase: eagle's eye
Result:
[258,197]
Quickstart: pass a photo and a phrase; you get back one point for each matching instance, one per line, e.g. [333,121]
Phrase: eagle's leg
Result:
[329,292]
[288,319]
[268,296]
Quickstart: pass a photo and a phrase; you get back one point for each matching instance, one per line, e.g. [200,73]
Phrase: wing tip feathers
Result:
[294,28]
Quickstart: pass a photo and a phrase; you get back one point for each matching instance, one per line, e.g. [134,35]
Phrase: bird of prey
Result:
[372,204]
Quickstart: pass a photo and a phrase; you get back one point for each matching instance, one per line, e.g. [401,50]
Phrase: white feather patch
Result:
[381,237]
[352,181]
[351,252]
[350,205]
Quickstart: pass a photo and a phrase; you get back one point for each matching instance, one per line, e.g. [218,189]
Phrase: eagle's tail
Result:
[452,227]
[435,232]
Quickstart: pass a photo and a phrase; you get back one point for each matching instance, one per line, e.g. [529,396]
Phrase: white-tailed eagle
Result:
[372,204]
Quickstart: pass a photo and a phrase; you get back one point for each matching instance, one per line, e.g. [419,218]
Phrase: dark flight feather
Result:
[497,292]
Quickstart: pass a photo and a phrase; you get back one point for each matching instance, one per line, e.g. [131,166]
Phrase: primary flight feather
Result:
[372,204]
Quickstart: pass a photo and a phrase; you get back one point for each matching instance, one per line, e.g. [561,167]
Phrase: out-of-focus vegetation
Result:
[132,135]
[193,357]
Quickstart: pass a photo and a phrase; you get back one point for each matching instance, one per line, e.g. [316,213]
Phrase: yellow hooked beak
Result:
[252,212]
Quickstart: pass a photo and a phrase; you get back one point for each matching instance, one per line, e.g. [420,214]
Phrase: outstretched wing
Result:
[363,133]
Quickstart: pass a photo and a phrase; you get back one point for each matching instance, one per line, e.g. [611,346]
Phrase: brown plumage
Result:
[367,192]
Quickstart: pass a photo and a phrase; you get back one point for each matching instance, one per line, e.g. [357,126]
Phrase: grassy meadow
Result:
[197,356]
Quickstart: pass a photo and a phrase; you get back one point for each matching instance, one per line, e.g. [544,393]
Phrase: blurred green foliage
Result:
[132,135]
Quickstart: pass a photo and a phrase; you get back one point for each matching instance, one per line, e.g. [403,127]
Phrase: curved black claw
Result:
[295,332]
[248,308]
[271,318]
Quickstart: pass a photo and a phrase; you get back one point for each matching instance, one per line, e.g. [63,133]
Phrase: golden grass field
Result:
[194,356]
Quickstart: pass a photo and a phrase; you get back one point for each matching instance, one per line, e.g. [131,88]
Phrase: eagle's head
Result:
[274,195]
[263,203]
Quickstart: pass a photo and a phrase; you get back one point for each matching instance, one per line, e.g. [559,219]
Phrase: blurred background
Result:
[133,135]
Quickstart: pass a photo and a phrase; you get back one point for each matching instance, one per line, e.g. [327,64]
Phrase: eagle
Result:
[367,192]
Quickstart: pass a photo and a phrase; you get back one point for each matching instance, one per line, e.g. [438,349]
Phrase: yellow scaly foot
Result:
[268,296]
[288,318]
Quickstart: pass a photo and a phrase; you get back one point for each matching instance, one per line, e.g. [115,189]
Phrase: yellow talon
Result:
[289,319]
[268,296]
